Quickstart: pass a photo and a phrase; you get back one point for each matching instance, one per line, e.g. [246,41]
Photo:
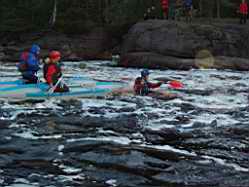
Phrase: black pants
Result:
[243,18]
[30,79]
[62,88]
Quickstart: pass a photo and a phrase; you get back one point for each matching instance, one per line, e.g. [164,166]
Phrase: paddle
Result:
[175,84]
[51,90]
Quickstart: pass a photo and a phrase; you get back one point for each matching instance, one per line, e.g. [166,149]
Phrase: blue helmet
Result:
[35,49]
[145,73]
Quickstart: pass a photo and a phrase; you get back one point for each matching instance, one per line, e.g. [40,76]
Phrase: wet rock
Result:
[122,163]
[155,61]
[2,56]
[239,129]
[92,45]
[164,136]
[203,175]
[4,124]
[69,124]
[182,119]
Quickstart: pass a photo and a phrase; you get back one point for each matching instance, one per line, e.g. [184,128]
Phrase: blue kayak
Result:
[40,90]
[21,82]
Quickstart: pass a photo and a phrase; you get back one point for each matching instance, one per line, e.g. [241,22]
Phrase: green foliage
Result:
[75,16]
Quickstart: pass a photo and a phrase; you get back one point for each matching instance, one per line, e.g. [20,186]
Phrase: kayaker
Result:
[243,10]
[29,65]
[52,72]
[142,85]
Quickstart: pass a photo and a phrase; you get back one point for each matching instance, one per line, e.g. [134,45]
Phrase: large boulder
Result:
[177,45]
[158,61]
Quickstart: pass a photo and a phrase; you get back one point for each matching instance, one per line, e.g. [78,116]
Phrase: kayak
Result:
[21,82]
[11,83]
[40,90]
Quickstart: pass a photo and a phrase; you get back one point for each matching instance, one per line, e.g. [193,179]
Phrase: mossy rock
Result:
[82,66]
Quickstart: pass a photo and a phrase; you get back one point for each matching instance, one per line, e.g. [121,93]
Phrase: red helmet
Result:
[55,55]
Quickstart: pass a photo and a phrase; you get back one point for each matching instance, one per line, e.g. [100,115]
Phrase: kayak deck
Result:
[40,90]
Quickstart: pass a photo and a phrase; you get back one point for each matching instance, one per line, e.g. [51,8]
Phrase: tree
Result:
[54,14]
[218,5]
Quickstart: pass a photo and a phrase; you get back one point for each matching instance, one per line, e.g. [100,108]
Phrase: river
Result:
[198,139]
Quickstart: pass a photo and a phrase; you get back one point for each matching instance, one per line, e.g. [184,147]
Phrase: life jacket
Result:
[55,76]
[23,63]
[141,88]
[243,8]
[165,4]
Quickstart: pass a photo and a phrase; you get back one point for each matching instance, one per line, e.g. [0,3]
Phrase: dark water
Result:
[200,139]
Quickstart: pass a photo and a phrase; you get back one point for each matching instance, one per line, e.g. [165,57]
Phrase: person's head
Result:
[55,56]
[243,1]
[35,49]
[145,74]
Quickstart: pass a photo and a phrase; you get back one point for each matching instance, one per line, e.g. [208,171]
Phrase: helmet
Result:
[35,49]
[145,73]
[55,55]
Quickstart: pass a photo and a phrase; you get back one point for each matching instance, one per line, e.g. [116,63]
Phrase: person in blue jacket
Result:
[29,65]
[188,6]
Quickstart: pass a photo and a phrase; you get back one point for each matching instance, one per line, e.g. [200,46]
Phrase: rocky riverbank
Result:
[177,45]
[95,44]
[152,44]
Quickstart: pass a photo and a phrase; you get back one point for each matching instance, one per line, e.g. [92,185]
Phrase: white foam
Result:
[119,140]
[22,185]
[170,148]
[61,147]
[65,178]
[30,135]
[112,182]
[70,170]
[223,162]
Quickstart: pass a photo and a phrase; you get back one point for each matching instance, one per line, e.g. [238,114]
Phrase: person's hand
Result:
[46,60]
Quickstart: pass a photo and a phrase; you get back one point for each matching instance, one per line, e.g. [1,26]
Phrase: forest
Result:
[83,15]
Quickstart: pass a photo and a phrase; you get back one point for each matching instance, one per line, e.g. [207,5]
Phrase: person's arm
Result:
[154,85]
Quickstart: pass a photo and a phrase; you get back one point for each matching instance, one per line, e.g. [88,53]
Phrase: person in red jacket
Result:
[142,86]
[52,72]
[243,10]
[165,7]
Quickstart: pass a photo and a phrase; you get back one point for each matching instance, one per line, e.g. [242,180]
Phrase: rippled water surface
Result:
[198,139]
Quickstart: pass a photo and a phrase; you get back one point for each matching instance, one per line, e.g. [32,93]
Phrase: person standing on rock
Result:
[165,7]
[178,10]
[52,72]
[243,10]
[29,65]
[188,6]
